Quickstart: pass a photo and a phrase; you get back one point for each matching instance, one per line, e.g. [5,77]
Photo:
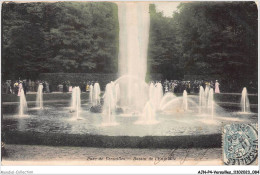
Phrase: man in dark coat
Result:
[24,87]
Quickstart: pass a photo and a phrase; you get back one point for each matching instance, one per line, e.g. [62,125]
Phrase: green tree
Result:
[23,45]
[219,38]
[58,37]
[211,39]
[82,40]
[163,52]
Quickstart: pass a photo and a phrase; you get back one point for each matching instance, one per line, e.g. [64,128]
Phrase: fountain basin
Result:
[53,126]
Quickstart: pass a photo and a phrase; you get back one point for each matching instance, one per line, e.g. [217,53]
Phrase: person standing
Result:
[20,88]
[16,87]
[33,86]
[211,84]
[70,88]
[188,87]
[50,87]
[4,87]
[24,86]
[87,87]
[60,87]
[30,85]
[67,86]
[217,87]
[44,86]
[166,88]
[7,87]
[36,85]
[64,87]
[47,87]
[207,85]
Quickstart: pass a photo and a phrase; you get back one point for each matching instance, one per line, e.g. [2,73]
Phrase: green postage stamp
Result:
[240,144]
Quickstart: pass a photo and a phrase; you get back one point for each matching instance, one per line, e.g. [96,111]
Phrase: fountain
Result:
[146,104]
[96,94]
[151,91]
[245,105]
[158,95]
[117,94]
[206,101]
[155,95]
[206,95]
[185,100]
[134,23]
[211,102]
[166,98]
[76,102]
[109,105]
[73,100]
[148,115]
[94,98]
[129,92]
[23,104]
[201,99]
[91,94]
[39,97]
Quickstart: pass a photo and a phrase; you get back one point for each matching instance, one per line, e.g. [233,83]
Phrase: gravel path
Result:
[49,155]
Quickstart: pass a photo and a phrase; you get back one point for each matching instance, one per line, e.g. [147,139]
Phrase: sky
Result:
[166,7]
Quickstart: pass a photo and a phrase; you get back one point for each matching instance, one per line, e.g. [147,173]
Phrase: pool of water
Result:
[57,118]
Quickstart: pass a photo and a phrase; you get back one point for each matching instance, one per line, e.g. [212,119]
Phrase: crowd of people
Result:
[14,87]
[177,86]
[66,86]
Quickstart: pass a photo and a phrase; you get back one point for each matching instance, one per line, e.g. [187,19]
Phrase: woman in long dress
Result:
[217,87]
[20,88]
[70,88]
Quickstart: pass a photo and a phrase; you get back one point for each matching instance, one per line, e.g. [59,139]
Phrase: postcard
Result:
[144,83]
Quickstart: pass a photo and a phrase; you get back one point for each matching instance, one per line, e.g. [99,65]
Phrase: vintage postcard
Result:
[130,83]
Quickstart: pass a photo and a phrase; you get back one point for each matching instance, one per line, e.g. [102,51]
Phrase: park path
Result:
[50,155]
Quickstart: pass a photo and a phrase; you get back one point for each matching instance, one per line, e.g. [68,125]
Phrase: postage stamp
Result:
[240,144]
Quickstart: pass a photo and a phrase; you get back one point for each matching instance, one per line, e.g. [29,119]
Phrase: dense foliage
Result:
[59,37]
[215,39]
